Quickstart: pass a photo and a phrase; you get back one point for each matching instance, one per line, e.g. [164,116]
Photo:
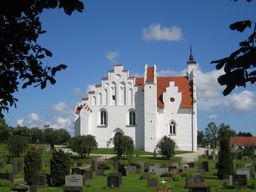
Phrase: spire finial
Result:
[191,58]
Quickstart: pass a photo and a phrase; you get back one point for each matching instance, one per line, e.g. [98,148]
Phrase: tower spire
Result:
[191,58]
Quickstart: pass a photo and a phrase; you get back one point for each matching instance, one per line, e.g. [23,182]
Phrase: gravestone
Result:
[206,153]
[147,165]
[199,188]
[175,164]
[74,180]
[167,164]
[242,179]
[113,181]
[19,166]
[82,171]
[20,188]
[163,166]
[210,157]
[146,175]
[40,180]
[118,175]
[41,166]
[72,189]
[205,166]
[40,151]
[158,164]
[1,164]
[160,171]
[243,172]
[47,149]
[76,171]
[7,176]
[152,168]
[88,175]
[200,166]
[152,183]
[225,176]
[212,165]
[175,171]
[185,167]
[216,152]
[194,180]
[9,160]
[141,163]
[171,167]
[50,150]
[216,156]
[100,172]
[201,171]
[209,150]
[73,163]
[248,165]
[218,145]
[131,168]
[102,164]
[129,161]
[15,167]
[192,164]
[154,153]
[203,156]
[32,188]
[234,156]
[93,166]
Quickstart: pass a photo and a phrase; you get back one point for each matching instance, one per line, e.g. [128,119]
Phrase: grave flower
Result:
[217,189]
[239,187]
[132,171]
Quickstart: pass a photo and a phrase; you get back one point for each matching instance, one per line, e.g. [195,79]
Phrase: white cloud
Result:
[111,56]
[62,108]
[213,117]
[167,73]
[154,32]
[77,91]
[90,88]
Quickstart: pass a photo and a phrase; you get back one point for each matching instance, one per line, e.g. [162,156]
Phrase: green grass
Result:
[131,180]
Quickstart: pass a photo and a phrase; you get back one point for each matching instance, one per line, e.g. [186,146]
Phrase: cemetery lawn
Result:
[131,181]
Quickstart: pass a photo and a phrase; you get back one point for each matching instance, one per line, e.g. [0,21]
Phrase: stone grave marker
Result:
[40,151]
[129,161]
[225,176]
[72,189]
[242,179]
[167,164]
[15,167]
[248,165]
[19,166]
[73,163]
[154,153]
[200,166]
[210,157]
[216,156]
[216,152]
[100,172]
[152,183]
[113,181]
[158,164]
[185,167]
[205,166]
[175,171]
[201,171]
[47,149]
[171,167]
[40,180]
[163,166]
[118,175]
[194,180]
[212,165]
[192,164]
[160,171]
[209,150]
[102,164]
[9,160]
[131,168]
[82,171]
[1,164]
[203,156]
[147,165]
[76,171]
[217,165]
[94,166]
[243,172]
[175,164]
[218,145]
[141,163]
[89,175]
[74,180]
[206,152]
[7,176]
[146,175]
[152,168]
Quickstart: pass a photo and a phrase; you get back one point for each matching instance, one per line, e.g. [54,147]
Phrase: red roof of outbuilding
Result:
[240,141]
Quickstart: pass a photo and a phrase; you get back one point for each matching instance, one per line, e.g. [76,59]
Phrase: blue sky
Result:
[135,33]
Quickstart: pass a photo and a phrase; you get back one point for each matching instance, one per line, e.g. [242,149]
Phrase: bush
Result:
[225,185]
[167,147]
[98,166]
[154,177]
[60,166]
[166,174]
[146,170]
[183,174]
[79,164]
[4,183]
[180,170]
[215,173]
[252,186]
[32,163]
[176,177]
[107,167]
[235,184]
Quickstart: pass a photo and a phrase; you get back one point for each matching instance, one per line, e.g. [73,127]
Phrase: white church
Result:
[143,108]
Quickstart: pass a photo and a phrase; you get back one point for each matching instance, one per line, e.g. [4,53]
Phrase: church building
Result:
[143,108]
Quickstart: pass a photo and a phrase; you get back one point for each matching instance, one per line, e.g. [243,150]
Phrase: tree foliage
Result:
[200,137]
[32,163]
[225,131]
[244,134]
[21,56]
[225,161]
[239,65]
[123,145]
[167,147]
[5,131]
[60,167]
[17,144]
[250,151]
[84,144]
[211,132]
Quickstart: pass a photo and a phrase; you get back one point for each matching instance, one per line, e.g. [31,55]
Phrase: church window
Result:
[172,99]
[172,128]
[113,97]
[103,118]
[132,118]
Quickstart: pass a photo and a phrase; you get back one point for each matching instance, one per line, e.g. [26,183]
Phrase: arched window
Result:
[132,118]
[103,118]
[172,128]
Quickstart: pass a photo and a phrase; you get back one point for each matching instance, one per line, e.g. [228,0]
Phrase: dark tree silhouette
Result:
[20,54]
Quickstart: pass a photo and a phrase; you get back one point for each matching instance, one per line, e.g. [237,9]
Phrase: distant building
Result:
[242,142]
[144,108]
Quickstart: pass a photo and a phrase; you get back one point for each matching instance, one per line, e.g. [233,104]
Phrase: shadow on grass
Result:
[79,157]
[214,178]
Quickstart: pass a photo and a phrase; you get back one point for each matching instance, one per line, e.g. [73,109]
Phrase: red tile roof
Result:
[104,78]
[91,91]
[110,70]
[118,65]
[97,85]
[125,70]
[150,74]
[85,98]
[240,141]
[184,86]
[131,77]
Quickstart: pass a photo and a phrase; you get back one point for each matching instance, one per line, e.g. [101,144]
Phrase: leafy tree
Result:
[167,147]
[225,162]
[123,145]
[60,166]
[225,131]
[5,131]
[211,133]
[250,151]
[244,134]
[32,163]
[239,66]
[23,131]
[63,136]
[83,144]
[200,137]
[21,56]
[51,137]
[17,144]
[37,133]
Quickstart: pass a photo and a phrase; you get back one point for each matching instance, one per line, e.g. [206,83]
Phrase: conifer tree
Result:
[32,162]
[60,166]
[225,162]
